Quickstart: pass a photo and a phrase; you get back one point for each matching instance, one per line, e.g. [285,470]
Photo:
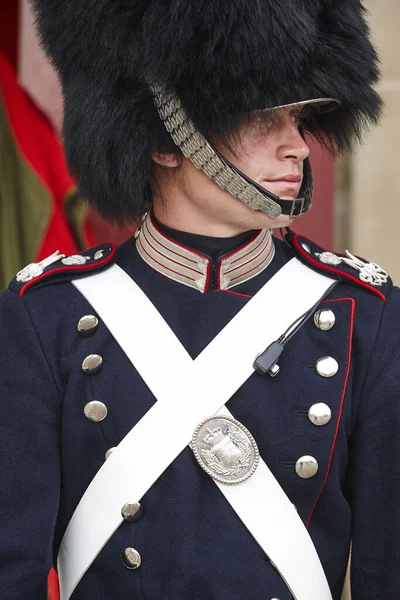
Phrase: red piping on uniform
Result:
[350,346]
[236,294]
[167,268]
[99,263]
[253,269]
[250,261]
[186,249]
[172,251]
[208,277]
[164,235]
[192,279]
[243,274]
[235,252]
[166,257]
[336,271]
[244,246]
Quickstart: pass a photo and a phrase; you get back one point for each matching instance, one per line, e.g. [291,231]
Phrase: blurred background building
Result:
[367,207]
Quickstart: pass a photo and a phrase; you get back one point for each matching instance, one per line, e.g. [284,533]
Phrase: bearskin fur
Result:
[224,59]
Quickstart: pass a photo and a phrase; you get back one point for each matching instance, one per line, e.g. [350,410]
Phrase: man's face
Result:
[270,150]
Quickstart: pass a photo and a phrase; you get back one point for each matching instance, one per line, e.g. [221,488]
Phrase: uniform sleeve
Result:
[29,457]
[374,475]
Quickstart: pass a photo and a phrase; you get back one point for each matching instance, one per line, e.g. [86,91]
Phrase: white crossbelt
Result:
[188,391]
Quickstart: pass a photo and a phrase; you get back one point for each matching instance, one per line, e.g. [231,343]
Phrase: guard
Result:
[207,411]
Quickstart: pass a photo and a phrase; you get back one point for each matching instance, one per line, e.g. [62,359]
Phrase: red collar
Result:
[191,268]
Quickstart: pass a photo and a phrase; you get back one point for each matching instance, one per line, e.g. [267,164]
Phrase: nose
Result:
[292,144]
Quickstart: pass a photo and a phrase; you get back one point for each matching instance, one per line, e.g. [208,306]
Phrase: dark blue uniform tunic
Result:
[192,544]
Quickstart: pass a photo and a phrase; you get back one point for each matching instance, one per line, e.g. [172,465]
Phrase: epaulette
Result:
[345,267]
[58,268]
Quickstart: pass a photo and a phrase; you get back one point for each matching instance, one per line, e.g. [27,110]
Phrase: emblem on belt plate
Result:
[225,449]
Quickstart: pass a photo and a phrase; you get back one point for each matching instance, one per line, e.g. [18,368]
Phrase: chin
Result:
[281,222]
[263,221]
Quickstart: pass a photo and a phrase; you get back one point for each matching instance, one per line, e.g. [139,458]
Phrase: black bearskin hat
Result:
[223,58]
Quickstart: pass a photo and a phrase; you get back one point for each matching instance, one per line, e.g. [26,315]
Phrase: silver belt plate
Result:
[225,449]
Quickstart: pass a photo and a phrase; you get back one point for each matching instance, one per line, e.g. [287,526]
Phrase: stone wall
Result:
[368,197]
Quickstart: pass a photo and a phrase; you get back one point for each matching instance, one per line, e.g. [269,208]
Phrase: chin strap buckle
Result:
[292,214]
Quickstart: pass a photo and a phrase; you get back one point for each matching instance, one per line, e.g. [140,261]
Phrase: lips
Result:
[286,179]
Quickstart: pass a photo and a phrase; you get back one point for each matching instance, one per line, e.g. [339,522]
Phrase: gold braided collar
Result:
[191,268]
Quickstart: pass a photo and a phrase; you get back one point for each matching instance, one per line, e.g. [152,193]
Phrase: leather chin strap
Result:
[293,208]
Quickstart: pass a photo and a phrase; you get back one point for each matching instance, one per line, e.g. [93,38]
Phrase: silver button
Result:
[306,467]
[87,325]
[132,511]
[307,248]
[99,254]
[327,366]
[92,364]
[95,411]
[109,452]
[131,558]
[320,414]
[324,319]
